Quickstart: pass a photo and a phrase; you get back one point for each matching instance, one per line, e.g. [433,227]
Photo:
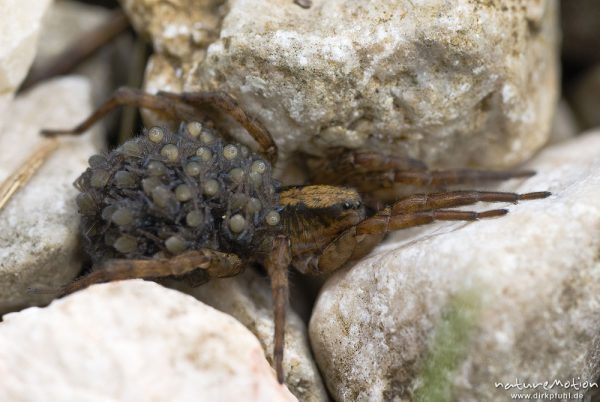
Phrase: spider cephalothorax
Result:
[187,204]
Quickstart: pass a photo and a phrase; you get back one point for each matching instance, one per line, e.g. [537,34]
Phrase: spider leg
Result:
[423,209]
[373,181]
[125,96]
[415,210]
[369,171]
[420,202]
[276,265]
[386,221]
[225,103]
[215,264]
[441,178]
[183,107]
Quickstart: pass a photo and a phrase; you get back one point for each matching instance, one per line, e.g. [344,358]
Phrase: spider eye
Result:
[352,205]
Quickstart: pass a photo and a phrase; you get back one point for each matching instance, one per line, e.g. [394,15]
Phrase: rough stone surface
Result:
[132,341]
[465,82]
[247,297]
[178,28]
[21,21]
[445,311]
[39,237]
[63,25]
[565,125]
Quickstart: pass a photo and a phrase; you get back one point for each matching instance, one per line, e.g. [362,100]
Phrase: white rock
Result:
[62,27]
[179,28]
[40,236]
[456,307]
[132,341]
[64,22]
[454,83]
[21,21]
[247,297]
[565,125]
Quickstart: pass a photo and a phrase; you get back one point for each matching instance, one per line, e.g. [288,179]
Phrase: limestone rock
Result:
[446,311]
[40,237]
[247,297]
[132,341]
[21,21]
[453,83]
[565,125]
[63,25]
[178,28]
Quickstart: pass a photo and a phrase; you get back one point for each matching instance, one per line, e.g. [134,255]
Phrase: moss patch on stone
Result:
[449,347]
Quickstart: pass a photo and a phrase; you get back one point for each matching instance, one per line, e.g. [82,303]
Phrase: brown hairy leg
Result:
[214,263]
[420,202]
[369,171]
[188,106]
[125,96]
[411,211]
[225,103]
[276,265]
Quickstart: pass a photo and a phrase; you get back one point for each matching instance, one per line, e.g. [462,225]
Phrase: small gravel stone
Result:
[19,31]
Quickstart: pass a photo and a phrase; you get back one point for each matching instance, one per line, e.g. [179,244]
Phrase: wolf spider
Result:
[185,204]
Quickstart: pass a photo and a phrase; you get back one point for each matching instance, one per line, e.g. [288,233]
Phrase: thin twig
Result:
[25,172]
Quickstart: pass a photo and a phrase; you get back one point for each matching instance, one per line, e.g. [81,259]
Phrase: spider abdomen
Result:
[166,192]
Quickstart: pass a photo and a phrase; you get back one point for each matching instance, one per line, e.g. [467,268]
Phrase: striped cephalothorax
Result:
[188,204]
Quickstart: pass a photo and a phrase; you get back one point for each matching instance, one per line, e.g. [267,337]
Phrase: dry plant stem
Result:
[26,171]
[83,49]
